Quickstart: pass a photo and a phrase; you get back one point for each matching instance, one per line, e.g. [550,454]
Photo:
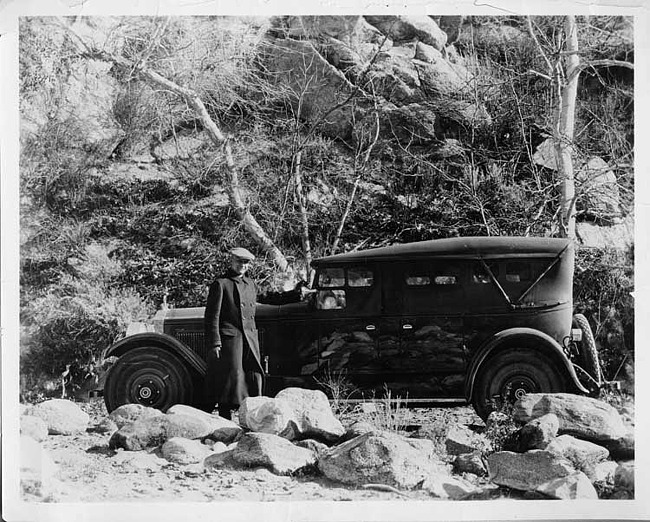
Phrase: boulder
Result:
[358,428]
[584,455]
[61,416]
[221,460]
[470,463]
[106,425]
[185,451]
[583,417]
[538,433]
[222,430]
[405,28]
[622,448]
[624,476]
[272,452]
[137,461]
[317,447]
[572,487]
[603,473]
[132,412]
[33,427]
[37,469]
[527,471]
[380,457]
[599,187]
[140,434]
[441,485]
[294,413]
[460,439]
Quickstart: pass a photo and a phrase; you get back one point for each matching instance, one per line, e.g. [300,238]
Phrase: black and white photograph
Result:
[323,262]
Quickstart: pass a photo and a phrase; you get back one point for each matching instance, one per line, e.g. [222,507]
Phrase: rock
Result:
[527,471]
[496,418]
[441,78]
[443,486]
[33,427]
[470,463]
[427,53]
[404,28]
[537,433]
[599,188]
[61,416]
[132,412]
[265,415]
[294,413]
[185,451]
[141,434]
[221,460]
[582,454]
[461,439]
[272,452]
[603,473]
[188,426]
[180,147]
[623,448]
[106,425]
[37,469]
[572,487]
[583,417]
[380,457]
[624,476]
[137,460]
[317,447]
[222,430]
[358,428]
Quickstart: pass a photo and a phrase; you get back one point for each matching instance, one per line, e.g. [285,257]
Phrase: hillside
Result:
[345,132]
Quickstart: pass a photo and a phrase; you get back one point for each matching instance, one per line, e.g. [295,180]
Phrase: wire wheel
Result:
[507,376]
[150,376]
[588,351]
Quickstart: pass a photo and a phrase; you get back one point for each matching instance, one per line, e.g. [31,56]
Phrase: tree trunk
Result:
[251,225]
[565,130]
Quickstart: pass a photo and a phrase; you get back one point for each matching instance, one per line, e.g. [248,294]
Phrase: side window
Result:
[331,278]
[417,279]
[445,280]
[517,272]
[360,277]
[481,276]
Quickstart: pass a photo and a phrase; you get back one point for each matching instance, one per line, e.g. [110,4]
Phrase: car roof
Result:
[492,247]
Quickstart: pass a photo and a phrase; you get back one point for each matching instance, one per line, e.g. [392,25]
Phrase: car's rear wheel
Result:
[150,376]
[507,376]
[588,360]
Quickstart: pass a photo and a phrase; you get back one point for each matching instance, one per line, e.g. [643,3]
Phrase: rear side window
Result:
[360,277]
[445,279]
[518,272]
[417,279]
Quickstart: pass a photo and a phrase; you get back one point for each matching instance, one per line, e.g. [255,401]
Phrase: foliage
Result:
[72,323]
[339,389]
[502,431]
[603,286]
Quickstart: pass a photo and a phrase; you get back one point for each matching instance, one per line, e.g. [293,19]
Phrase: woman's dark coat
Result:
[230,324]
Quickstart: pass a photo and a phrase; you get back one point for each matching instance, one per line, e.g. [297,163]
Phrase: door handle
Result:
[407,327]
[370,327]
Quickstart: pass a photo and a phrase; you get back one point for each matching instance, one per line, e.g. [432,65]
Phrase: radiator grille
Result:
[194,339]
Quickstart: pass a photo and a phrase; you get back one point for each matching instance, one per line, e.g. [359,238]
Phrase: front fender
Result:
[512,338]
[162,341]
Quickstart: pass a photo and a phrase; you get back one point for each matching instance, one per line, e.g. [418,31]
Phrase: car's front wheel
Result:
[507,376]
[148,375]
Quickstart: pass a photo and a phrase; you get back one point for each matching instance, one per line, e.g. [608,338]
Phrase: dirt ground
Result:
[88,471]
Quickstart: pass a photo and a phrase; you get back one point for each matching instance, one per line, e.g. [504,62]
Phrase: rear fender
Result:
[166,342]
[516,338]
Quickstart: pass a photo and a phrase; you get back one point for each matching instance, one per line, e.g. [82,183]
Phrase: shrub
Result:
[71,324]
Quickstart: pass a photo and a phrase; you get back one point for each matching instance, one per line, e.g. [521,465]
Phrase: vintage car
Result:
[482,320]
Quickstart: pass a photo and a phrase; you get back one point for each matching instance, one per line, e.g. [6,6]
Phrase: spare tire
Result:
[588,359]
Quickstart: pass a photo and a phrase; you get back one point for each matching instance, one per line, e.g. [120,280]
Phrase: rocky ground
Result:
[88,471]
[94,464]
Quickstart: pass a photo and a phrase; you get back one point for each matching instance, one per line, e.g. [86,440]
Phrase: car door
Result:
[423,308]
[347,306]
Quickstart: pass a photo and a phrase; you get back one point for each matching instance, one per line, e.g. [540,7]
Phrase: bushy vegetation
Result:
[102,245]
